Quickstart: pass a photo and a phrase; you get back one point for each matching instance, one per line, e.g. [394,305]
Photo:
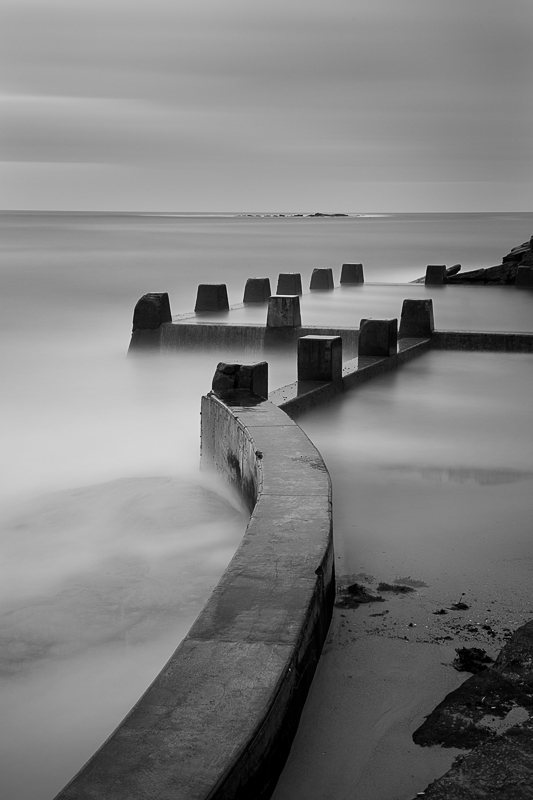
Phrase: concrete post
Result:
[378,337]
[320,358]
[417,321]
[151,311]
[322,280]
[352,273]
[289,283]
[257,290]
[284,311]
[435,274]
[240,380]
[212,297]
[524,277]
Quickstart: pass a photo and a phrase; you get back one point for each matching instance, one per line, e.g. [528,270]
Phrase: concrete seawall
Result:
[219,719]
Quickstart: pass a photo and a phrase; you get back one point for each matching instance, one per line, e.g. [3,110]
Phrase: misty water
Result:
[432,472]
[111,539]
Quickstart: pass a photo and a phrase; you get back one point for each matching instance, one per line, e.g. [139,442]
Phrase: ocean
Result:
[110,537]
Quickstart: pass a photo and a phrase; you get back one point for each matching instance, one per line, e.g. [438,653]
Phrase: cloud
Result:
[356,90]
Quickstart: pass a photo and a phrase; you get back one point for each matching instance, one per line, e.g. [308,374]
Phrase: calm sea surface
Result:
[110,540]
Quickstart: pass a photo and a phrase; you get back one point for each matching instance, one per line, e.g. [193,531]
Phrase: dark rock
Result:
[471,659]
[501,769]
[397,588]
[460,720]
[353,595]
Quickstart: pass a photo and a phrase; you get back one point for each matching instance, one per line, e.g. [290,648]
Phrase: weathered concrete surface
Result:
[186,334]
[416,319]
[483,341]
[233,380]
[257,290]
[150,313]
[378,337]
[289,283]
[218,720]
[492,712]
[436,274]
[284,311]
[322,279]
[319,358]
[212,297]
[352,273]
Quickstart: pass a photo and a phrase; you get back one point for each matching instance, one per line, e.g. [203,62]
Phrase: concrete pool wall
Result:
[219,719]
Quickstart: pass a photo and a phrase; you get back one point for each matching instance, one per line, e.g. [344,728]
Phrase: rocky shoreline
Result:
[501,275]
[489,712]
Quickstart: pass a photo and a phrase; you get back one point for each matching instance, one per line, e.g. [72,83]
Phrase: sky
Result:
[287,105]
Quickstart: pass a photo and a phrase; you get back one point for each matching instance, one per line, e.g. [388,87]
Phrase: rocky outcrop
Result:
[491,712]
[504,273]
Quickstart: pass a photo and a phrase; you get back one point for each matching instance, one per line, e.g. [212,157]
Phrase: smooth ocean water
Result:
[110,538]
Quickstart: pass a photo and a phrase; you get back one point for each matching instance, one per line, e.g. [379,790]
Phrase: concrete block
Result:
[231,380]
[435,274]
[151,311]
[524,276]
[320,358]
[378,337]
[284,311]
[212,297]
[257,290]
[289,283]
[416,321]
[322,280]
[352,273]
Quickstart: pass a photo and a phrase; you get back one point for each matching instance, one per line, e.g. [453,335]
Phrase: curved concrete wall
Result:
[219,719]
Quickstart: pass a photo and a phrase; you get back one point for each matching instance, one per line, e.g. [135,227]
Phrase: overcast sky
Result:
[285,105]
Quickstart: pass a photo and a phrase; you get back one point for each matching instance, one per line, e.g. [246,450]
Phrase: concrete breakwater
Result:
[219,719]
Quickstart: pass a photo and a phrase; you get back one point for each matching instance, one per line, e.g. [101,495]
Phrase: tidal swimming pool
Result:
[432,470]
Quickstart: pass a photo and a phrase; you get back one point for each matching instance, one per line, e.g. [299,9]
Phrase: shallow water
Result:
[432,471]
[93,434]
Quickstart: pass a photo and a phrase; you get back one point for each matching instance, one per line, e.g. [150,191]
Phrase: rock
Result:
[471,659]
[502,274]
[465,717]
[353,595]
[500,770]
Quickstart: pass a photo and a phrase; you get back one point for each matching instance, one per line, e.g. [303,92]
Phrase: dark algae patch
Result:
[396,588]
[353,595]
[471,659]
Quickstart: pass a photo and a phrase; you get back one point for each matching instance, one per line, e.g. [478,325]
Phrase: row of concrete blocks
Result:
[214,296]
[437,274]
[320,357]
